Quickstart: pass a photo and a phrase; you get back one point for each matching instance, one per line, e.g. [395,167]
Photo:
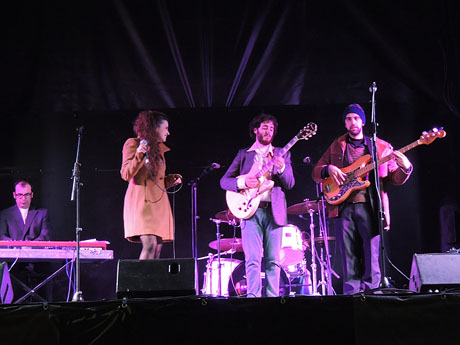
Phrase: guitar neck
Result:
[283,151]
[363,171]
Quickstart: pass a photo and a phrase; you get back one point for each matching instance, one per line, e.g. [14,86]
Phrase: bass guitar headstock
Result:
[308,131]
[428,137]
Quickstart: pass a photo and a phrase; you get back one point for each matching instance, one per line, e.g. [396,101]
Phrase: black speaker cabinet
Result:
[6,289]
[435,272]
[155,278]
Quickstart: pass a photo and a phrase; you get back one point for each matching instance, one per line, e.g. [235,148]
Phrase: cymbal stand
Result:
[324,233]
[323,281]
[219,266]
[208,272]
[314,287]
[326,270]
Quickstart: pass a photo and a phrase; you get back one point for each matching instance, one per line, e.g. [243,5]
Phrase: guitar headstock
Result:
[428,137]
[307,132]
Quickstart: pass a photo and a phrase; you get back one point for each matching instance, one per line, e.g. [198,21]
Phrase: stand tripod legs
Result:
[313,255]
[324,259]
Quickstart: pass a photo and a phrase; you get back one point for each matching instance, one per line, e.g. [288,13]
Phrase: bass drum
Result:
[211,276]
[292,249]
[237,285]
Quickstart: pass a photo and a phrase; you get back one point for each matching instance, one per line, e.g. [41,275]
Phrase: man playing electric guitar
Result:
[262,232]
[355,219]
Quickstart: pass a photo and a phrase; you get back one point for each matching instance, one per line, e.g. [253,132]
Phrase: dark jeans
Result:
[358,242]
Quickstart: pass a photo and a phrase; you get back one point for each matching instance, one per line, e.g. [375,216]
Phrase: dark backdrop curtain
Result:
[118,55]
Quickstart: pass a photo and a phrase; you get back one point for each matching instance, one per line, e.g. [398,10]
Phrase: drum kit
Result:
[312,207]
[226,276]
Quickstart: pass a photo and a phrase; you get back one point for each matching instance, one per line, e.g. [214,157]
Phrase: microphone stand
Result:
[381,216]
[75,196]
[194,214]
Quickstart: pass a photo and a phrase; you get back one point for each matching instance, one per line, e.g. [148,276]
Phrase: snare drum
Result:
[291,246]
[211,276]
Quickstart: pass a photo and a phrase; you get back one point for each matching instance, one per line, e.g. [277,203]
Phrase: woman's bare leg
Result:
[149,244]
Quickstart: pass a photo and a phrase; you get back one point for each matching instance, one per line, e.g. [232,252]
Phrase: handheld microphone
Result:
[144,142]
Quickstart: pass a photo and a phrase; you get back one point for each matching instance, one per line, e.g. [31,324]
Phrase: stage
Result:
[361,319]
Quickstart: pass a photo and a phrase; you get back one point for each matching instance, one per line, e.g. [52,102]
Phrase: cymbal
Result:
[227,244]
[226,215]
[303,207]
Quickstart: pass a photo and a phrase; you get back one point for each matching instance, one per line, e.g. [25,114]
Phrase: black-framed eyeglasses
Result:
[20,195]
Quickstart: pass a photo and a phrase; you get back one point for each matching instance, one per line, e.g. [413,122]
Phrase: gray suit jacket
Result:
[12,227]
[242,164]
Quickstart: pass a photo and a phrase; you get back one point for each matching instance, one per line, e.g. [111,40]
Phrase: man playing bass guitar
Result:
[354,218]
[262,232]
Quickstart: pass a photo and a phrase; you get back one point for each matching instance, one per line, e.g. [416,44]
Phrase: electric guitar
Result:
[244,204]
[336,194]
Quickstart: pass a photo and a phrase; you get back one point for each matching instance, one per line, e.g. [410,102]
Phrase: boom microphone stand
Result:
[193,187]
[75,196]
[381,216]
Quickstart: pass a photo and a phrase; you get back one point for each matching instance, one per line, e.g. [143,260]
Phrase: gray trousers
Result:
[262,241]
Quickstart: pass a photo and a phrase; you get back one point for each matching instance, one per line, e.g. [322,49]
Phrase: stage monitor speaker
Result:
[435,272]
[6,289]
[155,278]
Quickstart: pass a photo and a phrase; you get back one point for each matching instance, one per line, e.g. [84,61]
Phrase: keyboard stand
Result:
[33,291]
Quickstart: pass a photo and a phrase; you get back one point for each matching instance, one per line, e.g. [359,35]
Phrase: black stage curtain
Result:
[119,55]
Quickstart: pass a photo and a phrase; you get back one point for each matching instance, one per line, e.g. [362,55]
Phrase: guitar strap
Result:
[269,157]
[368,143]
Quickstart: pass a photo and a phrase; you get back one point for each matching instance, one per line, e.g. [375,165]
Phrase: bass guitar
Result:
[336,194]
[244,204]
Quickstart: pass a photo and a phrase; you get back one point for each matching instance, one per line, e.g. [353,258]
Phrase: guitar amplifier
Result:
[156,278]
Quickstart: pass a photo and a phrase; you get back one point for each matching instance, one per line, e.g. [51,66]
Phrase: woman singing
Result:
[147,213]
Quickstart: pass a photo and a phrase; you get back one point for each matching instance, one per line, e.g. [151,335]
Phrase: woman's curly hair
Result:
[145,127]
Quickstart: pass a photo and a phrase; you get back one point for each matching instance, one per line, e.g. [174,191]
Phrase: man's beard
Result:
[263,141]
[354,132]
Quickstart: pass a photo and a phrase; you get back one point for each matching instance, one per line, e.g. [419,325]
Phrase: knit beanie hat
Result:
[354,108]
